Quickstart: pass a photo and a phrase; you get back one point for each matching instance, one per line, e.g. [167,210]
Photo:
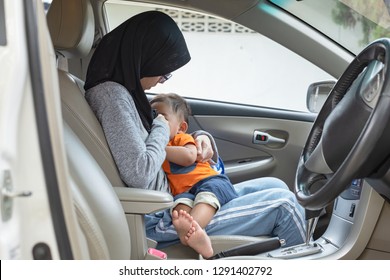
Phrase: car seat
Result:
[72,29]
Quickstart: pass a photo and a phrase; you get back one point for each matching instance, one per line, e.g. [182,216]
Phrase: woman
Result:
[137,55]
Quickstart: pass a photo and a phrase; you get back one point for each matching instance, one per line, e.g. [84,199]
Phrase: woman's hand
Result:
[204,148]
[162,119]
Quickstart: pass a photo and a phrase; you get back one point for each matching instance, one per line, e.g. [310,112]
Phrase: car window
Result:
[231,63]
[351,23]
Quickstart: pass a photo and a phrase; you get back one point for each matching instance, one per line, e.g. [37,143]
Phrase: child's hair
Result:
[176,102]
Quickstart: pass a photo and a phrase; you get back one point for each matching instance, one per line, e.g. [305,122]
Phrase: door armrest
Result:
[140,201]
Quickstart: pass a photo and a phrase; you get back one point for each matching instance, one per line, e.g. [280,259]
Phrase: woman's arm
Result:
[137,154]
[206,148]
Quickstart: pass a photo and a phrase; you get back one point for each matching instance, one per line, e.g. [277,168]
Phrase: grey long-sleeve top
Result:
[137,154]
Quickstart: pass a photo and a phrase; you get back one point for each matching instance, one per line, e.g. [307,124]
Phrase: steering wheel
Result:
[350,137]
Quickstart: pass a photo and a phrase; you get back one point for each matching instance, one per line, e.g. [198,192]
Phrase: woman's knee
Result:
[290,207]
[289,199]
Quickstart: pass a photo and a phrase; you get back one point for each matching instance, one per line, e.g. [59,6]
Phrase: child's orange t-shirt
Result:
[182,178]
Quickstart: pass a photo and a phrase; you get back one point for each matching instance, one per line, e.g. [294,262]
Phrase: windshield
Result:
[351,23]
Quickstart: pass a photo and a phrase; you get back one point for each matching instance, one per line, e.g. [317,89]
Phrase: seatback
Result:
[99,211]
[100,214]
[71,25]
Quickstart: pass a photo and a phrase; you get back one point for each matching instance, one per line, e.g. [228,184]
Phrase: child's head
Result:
[175,109]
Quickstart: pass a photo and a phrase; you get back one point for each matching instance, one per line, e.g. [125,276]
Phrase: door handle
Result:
[264,138]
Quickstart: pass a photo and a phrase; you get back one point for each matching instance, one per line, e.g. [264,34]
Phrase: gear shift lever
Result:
[312,217]
[304,249]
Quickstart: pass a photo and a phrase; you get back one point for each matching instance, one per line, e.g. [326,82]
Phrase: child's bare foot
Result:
[182,221]
[198,240]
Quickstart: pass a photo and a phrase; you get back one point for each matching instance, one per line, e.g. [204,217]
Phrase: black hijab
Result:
[147,45]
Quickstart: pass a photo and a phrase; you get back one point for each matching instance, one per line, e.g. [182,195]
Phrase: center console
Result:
[345,210]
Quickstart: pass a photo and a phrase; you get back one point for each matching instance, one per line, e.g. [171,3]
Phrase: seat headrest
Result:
[72,27]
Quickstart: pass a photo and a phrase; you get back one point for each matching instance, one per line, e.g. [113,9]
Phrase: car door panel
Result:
[233,129]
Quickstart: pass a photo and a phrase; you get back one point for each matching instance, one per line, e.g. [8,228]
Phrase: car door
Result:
[37,214]
[20,168]
[252,141]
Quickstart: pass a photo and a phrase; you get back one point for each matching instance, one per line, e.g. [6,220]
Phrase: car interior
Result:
[80,120]
[110,216]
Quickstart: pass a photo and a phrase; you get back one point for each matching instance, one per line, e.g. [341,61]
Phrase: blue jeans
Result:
[265,207]
[219,185]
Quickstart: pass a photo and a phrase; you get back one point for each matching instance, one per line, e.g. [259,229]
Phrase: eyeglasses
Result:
[164,78]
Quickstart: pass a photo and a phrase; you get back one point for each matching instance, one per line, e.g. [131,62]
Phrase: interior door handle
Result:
[264,138]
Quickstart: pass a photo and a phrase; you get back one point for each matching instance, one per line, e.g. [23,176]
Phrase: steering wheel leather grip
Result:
[351,134]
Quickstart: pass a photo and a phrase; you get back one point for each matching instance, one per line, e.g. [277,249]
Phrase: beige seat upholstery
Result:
[72,27]
[98,209]
[105,228]
[93,171]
